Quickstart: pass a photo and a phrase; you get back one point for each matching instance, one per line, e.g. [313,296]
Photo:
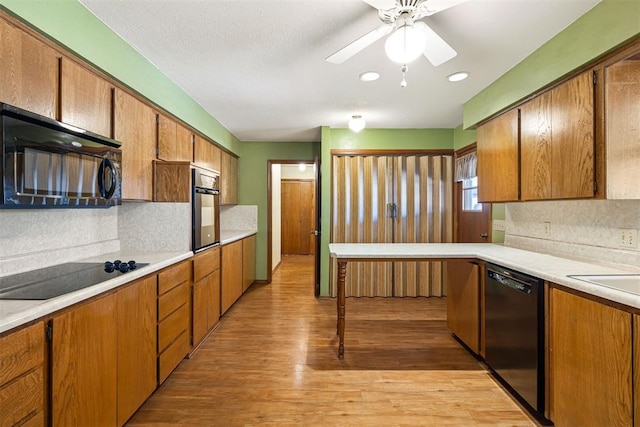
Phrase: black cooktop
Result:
[60,279]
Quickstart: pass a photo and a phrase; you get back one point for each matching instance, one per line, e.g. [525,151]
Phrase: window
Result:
[470,195]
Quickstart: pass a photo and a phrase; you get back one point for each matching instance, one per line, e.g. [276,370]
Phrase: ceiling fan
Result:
[411,37]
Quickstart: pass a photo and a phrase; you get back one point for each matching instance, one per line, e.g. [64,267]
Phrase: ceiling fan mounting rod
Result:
[402,8]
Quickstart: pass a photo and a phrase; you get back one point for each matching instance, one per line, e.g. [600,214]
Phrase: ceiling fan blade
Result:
[437,50]
[356,46]
[381,4]
[430,7]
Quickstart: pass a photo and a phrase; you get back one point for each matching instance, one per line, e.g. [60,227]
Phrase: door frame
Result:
[307,162]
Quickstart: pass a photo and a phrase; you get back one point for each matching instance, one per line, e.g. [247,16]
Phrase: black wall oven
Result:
[206,210]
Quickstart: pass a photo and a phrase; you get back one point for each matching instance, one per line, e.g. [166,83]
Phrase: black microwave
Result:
[50,164]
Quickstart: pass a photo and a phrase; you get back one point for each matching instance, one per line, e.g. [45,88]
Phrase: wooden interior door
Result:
[297,216]
[471,226]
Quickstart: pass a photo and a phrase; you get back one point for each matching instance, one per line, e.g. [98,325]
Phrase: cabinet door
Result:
[28,72]
[590,370]
[228,179]
[463,303]
[84,365]
[213,299]
[135,128]
[175,142]
[535,148]
[85,99]
[136,346]
[200,303]
[573,147]
[22,377]
[248,262]
[231,286]
[206,154]
[498,159]
[622,109]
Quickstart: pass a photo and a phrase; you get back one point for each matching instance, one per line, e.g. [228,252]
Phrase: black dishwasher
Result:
[514,332]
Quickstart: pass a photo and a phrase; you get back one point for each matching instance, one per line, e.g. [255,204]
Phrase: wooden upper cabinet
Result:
[228,179]
[28,72]
[622,110]
[85,99]
[535,148]
[135,128]
[573,142]
[498,159]
[175,142]
[206,154]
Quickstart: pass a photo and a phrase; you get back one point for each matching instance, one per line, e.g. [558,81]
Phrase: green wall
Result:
[69,23]
[380,139]
[252,183]
[607,25]
[462,138]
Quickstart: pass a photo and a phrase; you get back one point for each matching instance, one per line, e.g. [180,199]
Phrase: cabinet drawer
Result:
[21,351]
[173,276]
[172,356]
[206,262]
[169,302]
[22,399]
[172,326]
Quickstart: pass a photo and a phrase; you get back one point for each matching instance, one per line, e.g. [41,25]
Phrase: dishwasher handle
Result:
[507,281]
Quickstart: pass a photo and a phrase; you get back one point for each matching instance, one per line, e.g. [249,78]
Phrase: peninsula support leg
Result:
[342,273]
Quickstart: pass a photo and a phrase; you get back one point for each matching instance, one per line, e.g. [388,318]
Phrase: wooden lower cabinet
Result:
[84,362]
[463,303]
[174,314]
[590,362]
[206,293]
[136,346]
[232,261]
[248,262]
[103,357]
[22,377]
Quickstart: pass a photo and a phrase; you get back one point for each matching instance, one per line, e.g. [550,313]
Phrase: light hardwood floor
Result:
[273,361]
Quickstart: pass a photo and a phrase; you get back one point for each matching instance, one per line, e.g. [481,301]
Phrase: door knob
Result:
[484,235]
[315,232]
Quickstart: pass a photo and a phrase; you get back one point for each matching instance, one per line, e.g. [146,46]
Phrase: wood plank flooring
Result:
[273,361]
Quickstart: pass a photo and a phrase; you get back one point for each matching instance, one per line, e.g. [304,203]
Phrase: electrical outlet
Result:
[546,229]
[627,238]
[498,225]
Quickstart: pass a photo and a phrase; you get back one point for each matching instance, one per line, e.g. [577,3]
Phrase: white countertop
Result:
[14,313]
[230,236]
[548,267]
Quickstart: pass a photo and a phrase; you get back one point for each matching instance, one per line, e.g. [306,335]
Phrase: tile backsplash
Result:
[239,217]
[585,229]
[34,238]
[155,227]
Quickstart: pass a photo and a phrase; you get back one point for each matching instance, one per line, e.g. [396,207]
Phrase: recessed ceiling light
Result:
[369,76]
[456,77]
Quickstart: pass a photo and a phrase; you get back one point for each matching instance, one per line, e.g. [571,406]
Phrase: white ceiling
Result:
[258,65]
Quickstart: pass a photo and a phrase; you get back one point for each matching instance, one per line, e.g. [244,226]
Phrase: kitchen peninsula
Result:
[547,267]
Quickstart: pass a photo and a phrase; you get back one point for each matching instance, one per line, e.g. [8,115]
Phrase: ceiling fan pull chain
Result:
[403,83]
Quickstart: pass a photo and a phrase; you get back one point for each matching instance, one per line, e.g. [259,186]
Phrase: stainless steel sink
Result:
[622,282]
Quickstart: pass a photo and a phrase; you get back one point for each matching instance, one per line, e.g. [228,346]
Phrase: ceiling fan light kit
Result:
[356,123]
[407,43]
